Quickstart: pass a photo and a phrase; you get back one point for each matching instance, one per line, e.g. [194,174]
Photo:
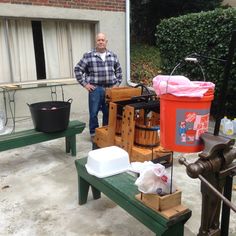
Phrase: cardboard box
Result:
[161,203]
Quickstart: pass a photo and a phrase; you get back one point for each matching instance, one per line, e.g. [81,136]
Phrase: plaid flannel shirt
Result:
[92,69]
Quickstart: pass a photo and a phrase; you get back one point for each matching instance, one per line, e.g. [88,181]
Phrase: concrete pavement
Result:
[38,194]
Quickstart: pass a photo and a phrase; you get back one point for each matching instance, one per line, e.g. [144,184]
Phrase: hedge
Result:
[205,33]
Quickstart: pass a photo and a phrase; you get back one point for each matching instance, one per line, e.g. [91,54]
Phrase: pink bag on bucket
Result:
[180,86]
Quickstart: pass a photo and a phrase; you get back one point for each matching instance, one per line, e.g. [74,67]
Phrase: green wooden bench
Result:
[121,189]
[31,136]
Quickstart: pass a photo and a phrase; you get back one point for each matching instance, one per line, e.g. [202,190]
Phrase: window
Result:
[35,50]
[38,49]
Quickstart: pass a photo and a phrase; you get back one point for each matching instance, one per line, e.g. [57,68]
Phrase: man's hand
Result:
[89,87]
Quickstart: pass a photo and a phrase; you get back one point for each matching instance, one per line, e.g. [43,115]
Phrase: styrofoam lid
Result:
[107,161]
[107,153]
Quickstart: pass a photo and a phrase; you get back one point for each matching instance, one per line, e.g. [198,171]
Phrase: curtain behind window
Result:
[64,44]
[20,41]
[82,40]
[56,49]
[5,76]
[21,45]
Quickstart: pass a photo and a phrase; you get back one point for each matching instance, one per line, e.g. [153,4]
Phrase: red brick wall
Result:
[104,5]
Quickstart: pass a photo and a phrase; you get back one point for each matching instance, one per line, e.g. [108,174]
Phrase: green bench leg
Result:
[96,193]
[71,145]
[67,144]
[177,229]
[83,187]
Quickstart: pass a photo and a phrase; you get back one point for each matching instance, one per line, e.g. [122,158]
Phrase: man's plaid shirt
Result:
[92,69]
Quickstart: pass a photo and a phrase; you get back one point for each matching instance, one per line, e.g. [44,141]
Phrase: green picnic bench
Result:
[121,189]
[31,136]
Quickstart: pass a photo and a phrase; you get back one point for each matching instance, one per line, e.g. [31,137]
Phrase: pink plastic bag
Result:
[180,86]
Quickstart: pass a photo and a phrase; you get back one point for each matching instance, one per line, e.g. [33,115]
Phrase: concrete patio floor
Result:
[38,194]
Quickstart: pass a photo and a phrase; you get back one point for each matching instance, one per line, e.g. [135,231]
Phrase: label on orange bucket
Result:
[190,125]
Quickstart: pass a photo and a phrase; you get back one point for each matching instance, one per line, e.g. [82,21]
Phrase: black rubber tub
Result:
[50,116]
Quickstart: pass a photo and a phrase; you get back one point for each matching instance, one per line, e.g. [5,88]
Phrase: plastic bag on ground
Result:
[180,86]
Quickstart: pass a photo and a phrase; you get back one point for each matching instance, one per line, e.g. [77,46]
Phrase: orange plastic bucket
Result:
[183,120]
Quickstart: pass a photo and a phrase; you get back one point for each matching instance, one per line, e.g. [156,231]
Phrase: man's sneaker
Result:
[92,136]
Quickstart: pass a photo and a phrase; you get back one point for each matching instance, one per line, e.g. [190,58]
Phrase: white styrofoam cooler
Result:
[108,161]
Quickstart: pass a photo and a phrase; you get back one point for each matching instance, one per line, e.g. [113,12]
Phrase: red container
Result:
[183,120]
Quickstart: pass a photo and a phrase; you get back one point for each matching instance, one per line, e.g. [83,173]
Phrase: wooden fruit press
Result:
[134,123]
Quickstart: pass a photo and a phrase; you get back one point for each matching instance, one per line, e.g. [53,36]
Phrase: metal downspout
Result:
[127,28]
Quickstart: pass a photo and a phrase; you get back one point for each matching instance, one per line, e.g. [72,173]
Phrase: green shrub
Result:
[205,33]
[145,63]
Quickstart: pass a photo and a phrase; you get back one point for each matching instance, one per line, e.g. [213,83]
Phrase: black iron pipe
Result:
[223,91]
[225,216]
[183,161]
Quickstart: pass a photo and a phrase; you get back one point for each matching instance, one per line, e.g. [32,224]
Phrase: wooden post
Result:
[112,123]
[128,126]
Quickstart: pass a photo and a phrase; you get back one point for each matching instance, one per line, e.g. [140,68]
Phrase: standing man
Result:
[97,70]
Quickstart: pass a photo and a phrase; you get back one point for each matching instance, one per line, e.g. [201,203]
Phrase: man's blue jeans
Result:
[97,103]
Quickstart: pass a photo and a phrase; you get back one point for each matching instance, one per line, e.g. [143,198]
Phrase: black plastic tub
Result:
[50,116]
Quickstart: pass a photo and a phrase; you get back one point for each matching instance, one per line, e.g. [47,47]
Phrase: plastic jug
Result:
[228,128]
[222,123]
[234,124]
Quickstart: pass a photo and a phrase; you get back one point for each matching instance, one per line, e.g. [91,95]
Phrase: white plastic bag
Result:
[155,180]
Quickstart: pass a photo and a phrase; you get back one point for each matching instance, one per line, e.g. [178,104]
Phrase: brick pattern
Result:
[103,5]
